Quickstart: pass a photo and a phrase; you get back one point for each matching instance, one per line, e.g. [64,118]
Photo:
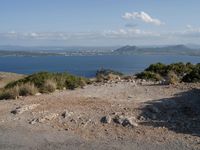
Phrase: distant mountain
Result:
[127,50]
[174,49]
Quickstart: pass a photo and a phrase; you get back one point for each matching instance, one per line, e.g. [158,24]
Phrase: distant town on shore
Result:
[94,51]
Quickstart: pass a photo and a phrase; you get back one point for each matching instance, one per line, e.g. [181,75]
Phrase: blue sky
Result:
[99,22]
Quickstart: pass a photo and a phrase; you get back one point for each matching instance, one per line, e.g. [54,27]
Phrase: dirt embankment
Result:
[6,77]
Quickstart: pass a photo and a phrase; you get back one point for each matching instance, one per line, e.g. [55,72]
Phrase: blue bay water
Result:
[87,65]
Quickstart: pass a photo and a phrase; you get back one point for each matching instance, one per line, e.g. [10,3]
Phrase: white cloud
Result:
[50,35]
[129,33]
[189,33]
[143,17]
[189,26]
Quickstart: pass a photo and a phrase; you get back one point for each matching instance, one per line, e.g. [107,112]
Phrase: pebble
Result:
[66,114]
[106,119]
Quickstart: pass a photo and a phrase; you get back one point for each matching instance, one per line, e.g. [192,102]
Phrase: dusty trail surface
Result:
[123,115]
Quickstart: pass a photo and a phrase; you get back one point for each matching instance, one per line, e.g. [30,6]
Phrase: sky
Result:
[99,22]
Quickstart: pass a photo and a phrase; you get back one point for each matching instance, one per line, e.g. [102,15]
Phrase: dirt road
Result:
[137,117]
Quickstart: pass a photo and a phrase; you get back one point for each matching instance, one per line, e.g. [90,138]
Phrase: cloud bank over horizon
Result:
[122,36]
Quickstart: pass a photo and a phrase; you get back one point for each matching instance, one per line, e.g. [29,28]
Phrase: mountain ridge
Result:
[171,49]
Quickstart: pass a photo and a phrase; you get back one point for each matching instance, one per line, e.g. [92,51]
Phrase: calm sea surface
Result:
[87,65]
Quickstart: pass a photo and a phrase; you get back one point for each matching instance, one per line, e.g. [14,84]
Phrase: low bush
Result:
[147,75]
[158,68]
[172,73]
[12,93]
[193,76]
[16,91]
[107,74]
[73,83]
[180,69]
[43,82]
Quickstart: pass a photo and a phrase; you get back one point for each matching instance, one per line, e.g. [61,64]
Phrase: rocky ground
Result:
[118,115]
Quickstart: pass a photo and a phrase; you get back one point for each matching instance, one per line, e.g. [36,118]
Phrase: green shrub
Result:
[74,82]
[149,76]
[180,69]
[37,79]
[193,76]
[43,82]
[172,73]
[60,80]
[158,68]
[106,72]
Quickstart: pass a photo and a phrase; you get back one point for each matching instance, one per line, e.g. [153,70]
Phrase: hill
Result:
[167,50]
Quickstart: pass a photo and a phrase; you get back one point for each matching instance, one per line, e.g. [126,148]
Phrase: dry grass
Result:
[12,93]
[172,78]
[27,89]
[49,86]
[22,90]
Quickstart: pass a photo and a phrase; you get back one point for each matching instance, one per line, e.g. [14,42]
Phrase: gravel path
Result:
[72,119]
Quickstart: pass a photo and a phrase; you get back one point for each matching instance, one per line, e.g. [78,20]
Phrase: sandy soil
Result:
[168,117]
